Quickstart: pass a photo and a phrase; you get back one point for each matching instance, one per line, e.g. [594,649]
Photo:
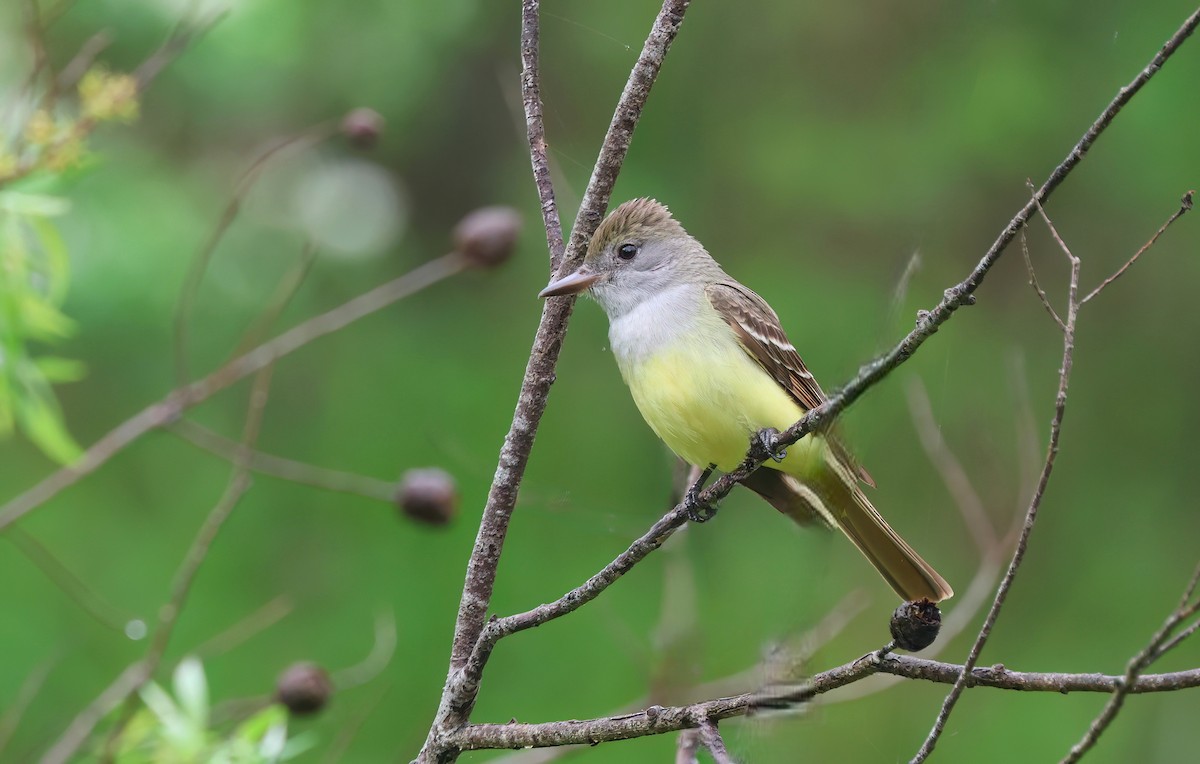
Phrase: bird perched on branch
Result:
[711,369]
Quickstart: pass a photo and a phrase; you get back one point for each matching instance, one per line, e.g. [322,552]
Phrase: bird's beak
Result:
[574,283]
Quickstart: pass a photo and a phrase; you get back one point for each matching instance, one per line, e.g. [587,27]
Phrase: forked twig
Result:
[1037,288]
[1185,204]
[1031,515]
[1137,664]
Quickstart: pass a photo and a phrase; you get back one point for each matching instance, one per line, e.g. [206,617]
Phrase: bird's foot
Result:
[765,445]
[699,511]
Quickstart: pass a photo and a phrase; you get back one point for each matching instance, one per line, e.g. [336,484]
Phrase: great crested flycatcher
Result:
[709,367]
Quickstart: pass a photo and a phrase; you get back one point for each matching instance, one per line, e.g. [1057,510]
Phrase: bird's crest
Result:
[635,220]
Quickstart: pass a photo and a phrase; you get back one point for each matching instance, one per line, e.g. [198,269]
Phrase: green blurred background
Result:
[815,148]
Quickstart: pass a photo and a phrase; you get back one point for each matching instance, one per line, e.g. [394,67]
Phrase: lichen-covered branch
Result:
[458,696]
[657,720]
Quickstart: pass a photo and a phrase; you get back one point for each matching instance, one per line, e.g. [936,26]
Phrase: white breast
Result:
[655,323]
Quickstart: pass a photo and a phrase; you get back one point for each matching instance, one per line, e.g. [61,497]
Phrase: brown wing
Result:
[758,329]
[761,335]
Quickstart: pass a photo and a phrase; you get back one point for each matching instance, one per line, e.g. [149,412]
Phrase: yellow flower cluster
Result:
[105,96]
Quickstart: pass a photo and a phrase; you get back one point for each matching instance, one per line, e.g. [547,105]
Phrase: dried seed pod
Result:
[428,495]
[915,625]
[487,236]
[362,127]
[304,688]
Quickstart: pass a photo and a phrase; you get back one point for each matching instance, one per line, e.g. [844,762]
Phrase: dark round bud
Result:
[362,127]
[428,495]
[487,236]
[304,688]
[915,625]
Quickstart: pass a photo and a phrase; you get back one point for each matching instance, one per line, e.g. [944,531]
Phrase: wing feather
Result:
[761,335]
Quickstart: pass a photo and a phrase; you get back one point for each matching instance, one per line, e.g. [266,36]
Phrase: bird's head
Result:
[638,252]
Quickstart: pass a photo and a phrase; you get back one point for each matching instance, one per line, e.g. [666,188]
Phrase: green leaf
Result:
[41,320]
[25,204]
[40,418]
[299,744]
[57,369]
[174,722]
[191,690]
[272,745]
[57,265]
[256,727]
[6,400]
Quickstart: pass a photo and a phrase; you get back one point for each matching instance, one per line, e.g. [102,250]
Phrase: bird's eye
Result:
[627,251]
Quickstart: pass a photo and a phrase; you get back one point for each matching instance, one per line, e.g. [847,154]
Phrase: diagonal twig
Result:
[458,695]
[687,748]
[284,468]
[1037,287]
[197,553]
[1185,204]
[1138,663]
[10,718]
[203,256]
[1031,515]
[168,409]
[710,736]
[87,598]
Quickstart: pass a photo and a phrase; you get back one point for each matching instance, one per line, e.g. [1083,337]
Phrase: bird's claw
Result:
[766,445]
[699,511]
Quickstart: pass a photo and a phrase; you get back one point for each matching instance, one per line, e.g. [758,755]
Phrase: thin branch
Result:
[1133,670]
[687,748]
[458,696]
[1018,556]
[176,43]
[710,736]
[966,498]
[499,628]
[900,292]
[1185,204]
[90,601]
[1026,440]
[535,130]
[348,730]
[70,75]
[287,288]
[186,576]
[1037,288]
[200,261]
[252,625]
[657,720]
[1176,640]
[283,468]
[77,733]
[10,719]
[168,409]
[197,553]
[370,667]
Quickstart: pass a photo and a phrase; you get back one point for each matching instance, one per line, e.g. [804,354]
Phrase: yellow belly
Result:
[705,403]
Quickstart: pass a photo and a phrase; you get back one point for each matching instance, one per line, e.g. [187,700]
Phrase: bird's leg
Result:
[765,445]
[697,510]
